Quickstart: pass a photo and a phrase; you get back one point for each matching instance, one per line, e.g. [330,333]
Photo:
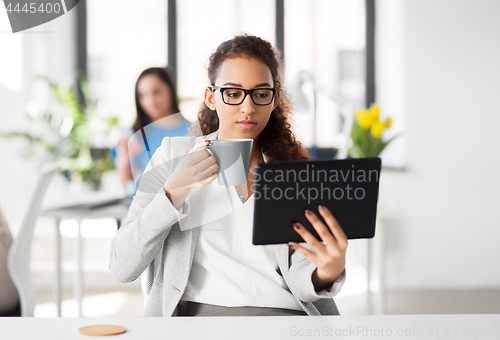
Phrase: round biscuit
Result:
[102,330]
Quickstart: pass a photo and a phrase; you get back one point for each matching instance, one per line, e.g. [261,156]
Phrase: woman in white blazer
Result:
[199,272]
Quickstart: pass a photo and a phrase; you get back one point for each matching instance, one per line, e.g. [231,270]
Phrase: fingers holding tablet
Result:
[334,226]
[329,257]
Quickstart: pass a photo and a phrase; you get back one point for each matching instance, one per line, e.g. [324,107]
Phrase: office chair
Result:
[18,261]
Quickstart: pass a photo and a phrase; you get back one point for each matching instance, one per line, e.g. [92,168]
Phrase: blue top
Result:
[154,135]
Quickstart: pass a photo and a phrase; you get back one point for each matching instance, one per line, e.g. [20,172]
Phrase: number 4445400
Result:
[35,8]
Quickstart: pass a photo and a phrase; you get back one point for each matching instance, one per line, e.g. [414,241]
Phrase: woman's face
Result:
[246,120]
[155,97]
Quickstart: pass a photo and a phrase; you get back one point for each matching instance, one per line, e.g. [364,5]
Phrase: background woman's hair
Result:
[142,118]
[276,140]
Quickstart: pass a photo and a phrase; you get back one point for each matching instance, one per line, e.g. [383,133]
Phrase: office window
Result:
[124,38]
[201,27]
[326,39]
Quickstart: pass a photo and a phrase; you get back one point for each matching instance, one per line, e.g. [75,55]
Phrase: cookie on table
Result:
[102,330]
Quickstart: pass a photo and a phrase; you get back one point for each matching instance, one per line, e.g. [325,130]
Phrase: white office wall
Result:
[438,68]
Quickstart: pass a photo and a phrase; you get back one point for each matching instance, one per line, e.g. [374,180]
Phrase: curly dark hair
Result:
[276,140]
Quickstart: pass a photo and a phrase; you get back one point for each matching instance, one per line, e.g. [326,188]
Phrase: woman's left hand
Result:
[329,255]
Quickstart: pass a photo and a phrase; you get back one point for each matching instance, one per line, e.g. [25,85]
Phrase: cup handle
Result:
[207,147]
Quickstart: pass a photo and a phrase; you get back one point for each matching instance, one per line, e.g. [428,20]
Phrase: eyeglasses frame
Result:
[250,92]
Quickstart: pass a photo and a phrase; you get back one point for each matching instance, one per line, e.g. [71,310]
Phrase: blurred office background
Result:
[430,65]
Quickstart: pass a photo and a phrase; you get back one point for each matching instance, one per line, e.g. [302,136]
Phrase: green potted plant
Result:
[72,132]
[367,133]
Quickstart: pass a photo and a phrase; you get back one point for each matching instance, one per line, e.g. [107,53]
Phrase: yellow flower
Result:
[366,118]
[374,110]
[362,118]
[377,128]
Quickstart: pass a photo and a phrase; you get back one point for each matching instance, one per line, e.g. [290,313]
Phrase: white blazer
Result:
[155,230]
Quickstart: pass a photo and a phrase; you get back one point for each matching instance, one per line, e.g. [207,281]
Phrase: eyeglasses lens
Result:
[236,97]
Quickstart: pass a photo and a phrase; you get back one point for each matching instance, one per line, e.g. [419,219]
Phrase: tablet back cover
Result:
[348,188]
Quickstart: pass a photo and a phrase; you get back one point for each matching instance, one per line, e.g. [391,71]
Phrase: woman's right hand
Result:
[196,170]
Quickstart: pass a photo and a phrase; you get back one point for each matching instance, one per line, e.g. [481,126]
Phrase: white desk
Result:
[476,326]
[117,212]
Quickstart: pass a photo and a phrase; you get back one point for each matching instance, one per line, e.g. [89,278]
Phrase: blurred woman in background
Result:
[157,117]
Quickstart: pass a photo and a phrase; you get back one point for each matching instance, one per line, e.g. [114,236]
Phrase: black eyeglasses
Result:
[236,96]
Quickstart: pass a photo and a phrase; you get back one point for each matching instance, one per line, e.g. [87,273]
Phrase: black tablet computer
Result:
[348,188]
